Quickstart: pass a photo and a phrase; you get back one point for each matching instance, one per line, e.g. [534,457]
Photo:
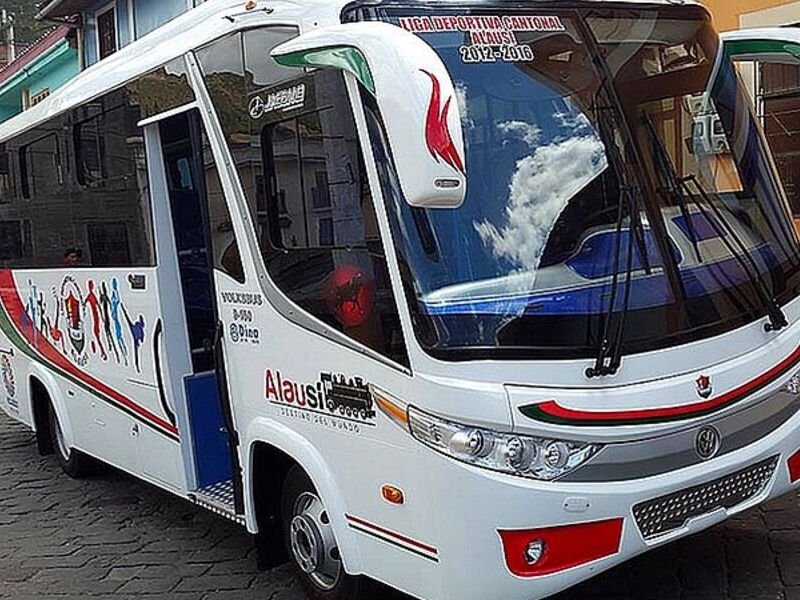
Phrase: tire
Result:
[303,520]
[73,462]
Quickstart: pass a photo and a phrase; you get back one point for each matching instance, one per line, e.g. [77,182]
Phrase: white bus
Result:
[447,295]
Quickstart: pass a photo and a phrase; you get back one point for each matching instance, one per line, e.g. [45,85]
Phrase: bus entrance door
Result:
[213,477]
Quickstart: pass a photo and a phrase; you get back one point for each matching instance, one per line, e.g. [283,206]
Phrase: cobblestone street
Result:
[114,537]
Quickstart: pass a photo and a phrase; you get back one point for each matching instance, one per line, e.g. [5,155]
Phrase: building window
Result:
[31,100]
[107,32]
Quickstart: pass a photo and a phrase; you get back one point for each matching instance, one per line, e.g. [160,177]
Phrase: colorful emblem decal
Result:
[9,381]
[73,311]
[704,387]
[437,134]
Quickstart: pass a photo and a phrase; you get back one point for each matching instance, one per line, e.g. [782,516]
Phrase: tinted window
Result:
[8,188]
[14,236]
[83,188]
[162,90]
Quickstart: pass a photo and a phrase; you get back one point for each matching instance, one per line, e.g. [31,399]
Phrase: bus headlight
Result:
[535,458]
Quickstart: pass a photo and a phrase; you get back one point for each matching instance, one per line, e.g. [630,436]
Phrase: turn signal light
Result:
[537,552]
[794,467]
[393,495]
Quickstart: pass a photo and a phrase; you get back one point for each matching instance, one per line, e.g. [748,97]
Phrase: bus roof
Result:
[190,30]
[199,26]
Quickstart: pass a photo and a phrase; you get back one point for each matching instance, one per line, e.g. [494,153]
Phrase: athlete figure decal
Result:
[94,307]
[116,305]
[55,327]
[137,333]
[105,306]
[97,305]
[30,310]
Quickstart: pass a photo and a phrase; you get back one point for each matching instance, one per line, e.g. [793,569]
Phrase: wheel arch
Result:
[44,392]
[272,449]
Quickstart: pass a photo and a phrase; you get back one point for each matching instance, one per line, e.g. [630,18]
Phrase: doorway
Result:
[186,161]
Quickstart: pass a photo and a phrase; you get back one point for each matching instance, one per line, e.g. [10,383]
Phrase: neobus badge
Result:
[284,100]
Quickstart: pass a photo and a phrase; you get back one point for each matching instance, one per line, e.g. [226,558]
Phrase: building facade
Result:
[46,65]
[105,26]
[746,14]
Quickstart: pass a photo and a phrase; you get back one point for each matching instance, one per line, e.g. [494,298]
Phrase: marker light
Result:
[393,495]
[534,458]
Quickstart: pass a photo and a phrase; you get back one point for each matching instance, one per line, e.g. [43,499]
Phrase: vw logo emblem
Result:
[707,443]
[257,107]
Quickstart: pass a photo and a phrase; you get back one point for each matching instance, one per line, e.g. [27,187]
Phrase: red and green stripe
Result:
[551,412]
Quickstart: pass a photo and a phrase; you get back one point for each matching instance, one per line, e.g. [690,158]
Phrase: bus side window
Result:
[15,232]
[7,183]
[322,245]
[89,152]
[299,162]
[41,166]
[223,239]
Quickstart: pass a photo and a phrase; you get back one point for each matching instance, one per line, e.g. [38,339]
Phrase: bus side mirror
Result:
[416,97]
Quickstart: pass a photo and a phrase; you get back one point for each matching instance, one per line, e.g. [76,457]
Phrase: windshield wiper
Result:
[777,318]
[681,192]
[609,357]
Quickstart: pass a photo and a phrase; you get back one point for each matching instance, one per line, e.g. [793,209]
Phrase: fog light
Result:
[538,552]
[535,551]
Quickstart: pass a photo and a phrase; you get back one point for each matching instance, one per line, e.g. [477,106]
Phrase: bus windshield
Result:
[616,174]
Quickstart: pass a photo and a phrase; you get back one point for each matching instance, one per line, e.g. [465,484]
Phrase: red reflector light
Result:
[794,467]
[565,547]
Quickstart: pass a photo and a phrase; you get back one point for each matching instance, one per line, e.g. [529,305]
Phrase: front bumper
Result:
[473,556]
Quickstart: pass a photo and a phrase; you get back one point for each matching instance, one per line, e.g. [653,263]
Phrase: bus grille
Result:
[668,513]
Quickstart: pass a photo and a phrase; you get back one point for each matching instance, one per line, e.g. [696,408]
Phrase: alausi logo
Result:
[437,133]
[9,381]
[332,394]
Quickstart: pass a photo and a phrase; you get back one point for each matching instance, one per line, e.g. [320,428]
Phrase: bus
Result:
[452,296]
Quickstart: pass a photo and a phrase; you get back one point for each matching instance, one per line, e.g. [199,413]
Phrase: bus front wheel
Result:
[311,545]
[73,462]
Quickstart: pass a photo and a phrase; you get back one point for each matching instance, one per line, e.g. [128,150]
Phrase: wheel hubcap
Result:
[312,542]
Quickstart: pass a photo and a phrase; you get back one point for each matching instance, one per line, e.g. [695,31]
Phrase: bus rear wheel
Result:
[311,545]
[73,462]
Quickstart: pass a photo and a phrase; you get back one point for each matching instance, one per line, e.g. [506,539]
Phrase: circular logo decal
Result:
[257,107]
[707,443]
[7,374]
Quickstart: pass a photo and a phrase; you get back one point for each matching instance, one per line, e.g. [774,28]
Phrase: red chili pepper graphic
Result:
[437,135]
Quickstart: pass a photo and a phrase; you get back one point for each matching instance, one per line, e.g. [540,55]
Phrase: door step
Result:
[219,499]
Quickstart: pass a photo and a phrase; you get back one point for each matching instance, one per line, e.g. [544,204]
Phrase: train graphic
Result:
[348,397]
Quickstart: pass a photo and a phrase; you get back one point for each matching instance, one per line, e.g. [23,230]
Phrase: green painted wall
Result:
[51,70]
